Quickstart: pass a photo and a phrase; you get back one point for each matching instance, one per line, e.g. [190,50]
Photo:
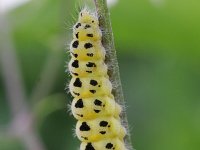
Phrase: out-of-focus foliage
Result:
[159,56]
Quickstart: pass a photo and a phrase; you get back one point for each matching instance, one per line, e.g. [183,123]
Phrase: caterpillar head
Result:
[87,27]
[87,17]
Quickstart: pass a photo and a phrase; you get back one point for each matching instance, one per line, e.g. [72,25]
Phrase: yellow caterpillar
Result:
[99,126]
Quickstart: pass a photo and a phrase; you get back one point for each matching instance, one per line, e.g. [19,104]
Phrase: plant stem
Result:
[111,60]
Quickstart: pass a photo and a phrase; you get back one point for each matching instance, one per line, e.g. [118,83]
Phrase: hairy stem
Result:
[111,60]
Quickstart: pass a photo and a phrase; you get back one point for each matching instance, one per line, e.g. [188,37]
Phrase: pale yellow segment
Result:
[107,144]
[92,130]
[83,34]
[87,68]
[96,52]
[87,90]
[95,107]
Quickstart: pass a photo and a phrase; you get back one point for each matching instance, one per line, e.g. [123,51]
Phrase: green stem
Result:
[111,60]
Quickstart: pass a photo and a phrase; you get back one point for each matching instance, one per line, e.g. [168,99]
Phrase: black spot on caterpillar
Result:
[77,83]
[93,91]
[78,25]
[88,45]
[102,132]
[93,82]
[97,111]
[90,35]
[84,127]
[98,102]
[84,138]
[75,44]
[103,123]
[90,54]
[91,64]
[89,147]
[76,74]
[75,55]
[109,145]
[77,35]
[75,64]
[79,104]
[80,115]
[78,94]
[87,26]
[89,71]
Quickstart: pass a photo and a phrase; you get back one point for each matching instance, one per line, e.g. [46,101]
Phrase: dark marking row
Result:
[88,54]
[85,127]
[75,44]
[78,83]
[79,104]
[75,64]
[90,147]
[79,25]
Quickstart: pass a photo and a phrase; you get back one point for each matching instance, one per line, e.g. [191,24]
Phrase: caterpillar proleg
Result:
[99,126]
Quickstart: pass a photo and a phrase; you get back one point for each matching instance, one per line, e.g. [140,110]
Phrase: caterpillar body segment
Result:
[86,87]
[108,144]
[95,107]
[88,68]
[83,32]
[87,50]
[99,129]
[99,126]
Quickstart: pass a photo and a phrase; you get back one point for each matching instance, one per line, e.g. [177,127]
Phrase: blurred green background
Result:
[158,47]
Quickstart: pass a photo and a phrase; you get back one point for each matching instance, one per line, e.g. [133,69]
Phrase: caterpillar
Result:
[98,115]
